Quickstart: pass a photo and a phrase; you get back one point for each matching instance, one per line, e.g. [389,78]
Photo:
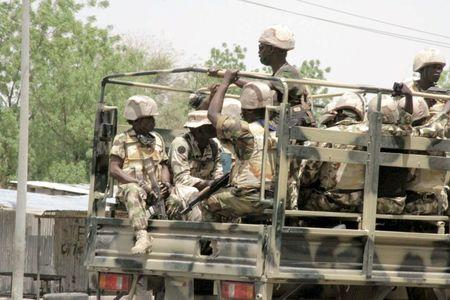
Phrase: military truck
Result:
[275,260]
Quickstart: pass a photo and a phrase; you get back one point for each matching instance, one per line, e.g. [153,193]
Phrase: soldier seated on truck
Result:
[195,161]
[334,186]
[241,197]
[427,189]
[138,163]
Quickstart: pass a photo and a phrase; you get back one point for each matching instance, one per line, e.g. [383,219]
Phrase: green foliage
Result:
[445,80]
[227,58]
[9,127]
[69,57]
[311,69]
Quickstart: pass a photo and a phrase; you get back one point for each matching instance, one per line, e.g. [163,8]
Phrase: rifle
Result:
[207,192]
[159,207]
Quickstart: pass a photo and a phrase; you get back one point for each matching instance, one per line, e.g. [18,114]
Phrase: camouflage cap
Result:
[278,36]
[139,106]
[389,109]
[231,107]
[256,95]
[420,108]
[351,101]
[197,118]
[427,57]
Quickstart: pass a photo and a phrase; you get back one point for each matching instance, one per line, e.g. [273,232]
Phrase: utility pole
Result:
[19,233]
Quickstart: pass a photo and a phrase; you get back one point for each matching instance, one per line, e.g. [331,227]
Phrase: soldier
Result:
[241,197]
[429,64]
[138,163]
[195,161]
[333,186]
[427,190]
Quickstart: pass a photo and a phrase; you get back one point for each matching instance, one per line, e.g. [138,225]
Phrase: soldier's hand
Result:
[230,76]
[401,89]
[213,72]
[165,188]
[147,187]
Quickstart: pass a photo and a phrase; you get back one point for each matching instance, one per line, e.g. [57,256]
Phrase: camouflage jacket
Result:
[189,165]
[140,160]
[247,139]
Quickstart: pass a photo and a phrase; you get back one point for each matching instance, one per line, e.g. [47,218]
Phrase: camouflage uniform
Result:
[336,186]
[242,197]
[189,167]
[427,191]
[138,162]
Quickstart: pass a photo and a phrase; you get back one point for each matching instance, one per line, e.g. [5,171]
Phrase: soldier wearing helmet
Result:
[138,163]
[335,186]
[195,161]
[428,64]
[247,136]
[331,186]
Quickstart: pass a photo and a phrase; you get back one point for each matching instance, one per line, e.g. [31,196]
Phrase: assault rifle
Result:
[207,192]
[158,208]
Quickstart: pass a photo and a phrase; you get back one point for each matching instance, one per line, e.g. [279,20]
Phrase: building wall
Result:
[62,250]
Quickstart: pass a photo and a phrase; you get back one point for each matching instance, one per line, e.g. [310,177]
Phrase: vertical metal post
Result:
[279,202]
[38,265]
[20,226]
[371,186]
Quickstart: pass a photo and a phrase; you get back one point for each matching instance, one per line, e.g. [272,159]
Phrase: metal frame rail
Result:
[373,159]
[285,152]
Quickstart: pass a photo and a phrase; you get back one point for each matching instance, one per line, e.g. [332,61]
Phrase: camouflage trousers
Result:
[426,203]
[232,203]
[134,197]
[293,184]
[179,198]
[311,199]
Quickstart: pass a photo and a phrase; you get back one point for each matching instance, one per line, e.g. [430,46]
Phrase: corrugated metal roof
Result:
[81,189]
[38,203]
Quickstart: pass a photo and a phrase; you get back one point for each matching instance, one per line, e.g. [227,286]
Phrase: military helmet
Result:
[139,106]
[420,108]
[427,57]
[351,101]
[231,107]
[256,95]
[389,109]
[278,36]
[197,118]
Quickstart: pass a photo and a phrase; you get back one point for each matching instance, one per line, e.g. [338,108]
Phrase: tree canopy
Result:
[69,57]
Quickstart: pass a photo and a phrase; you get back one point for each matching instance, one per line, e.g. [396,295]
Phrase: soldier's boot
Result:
[143,243]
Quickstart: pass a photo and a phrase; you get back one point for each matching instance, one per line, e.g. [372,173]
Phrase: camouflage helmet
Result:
[231,107]
[389,109]
[351,101]
[256,95]
[197,118]
[139,106]
[278,36]
[427,57]
[420,108]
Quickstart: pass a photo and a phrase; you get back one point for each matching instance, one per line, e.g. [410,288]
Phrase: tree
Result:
[69,57]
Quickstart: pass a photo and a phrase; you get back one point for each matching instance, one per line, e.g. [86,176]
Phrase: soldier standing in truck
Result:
[138,163]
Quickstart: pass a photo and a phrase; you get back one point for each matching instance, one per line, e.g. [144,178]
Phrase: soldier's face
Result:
[431,73]
[144,125]
[265,52]
[203,134]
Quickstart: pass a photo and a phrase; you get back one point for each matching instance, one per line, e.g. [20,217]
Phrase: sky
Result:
[193,27]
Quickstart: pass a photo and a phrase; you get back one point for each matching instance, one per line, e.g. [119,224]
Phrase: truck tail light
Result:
[114,282]
[234,290]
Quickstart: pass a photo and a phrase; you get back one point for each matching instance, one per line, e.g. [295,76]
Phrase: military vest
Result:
[141,160]
[202,165]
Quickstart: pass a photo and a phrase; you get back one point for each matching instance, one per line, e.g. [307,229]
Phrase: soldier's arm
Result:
[115,169]
[215,107]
